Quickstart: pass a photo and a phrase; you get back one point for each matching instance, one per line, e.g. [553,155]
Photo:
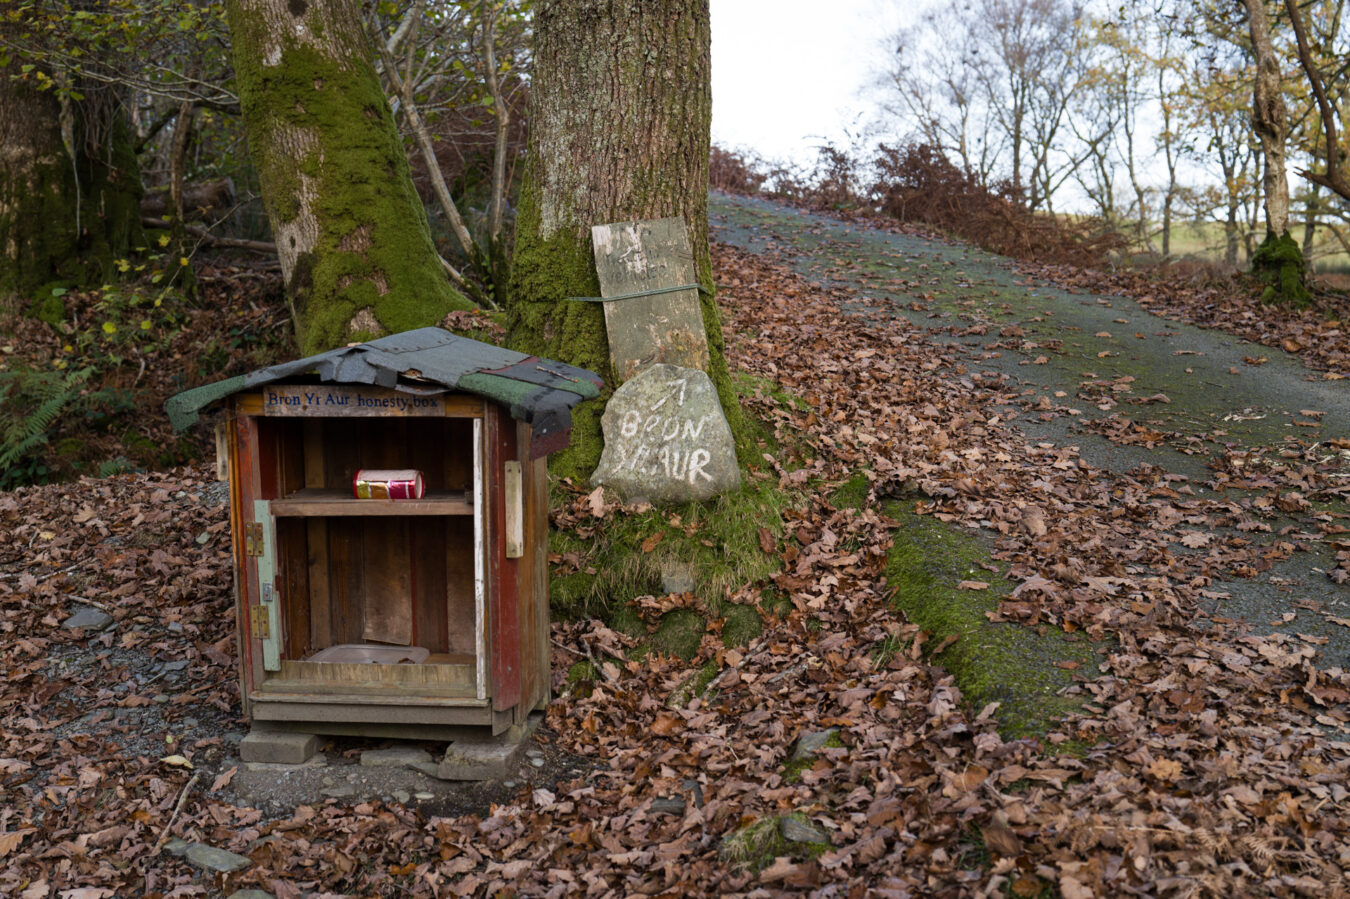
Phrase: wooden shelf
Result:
[317,503]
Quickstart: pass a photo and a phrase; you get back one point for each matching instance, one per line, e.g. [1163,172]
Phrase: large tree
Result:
[69,184]
[620,112]
[351,233]
[1279,258]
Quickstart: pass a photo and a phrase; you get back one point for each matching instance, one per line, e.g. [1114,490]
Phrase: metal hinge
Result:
[253,538]
[260,622]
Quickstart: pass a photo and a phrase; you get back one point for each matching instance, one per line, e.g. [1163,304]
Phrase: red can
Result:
[387,483]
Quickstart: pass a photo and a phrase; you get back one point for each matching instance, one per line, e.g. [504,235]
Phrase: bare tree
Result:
[991,83]
[1270,119]
[932,82]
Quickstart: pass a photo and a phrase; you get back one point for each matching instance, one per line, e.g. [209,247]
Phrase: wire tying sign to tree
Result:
[652,310]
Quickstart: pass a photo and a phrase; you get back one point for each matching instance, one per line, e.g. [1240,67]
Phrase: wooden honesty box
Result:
[424,614]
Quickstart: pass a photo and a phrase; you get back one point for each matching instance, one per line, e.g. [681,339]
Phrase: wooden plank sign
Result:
[640,261]
[347,402]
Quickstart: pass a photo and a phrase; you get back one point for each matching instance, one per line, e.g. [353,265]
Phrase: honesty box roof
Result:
[539,391]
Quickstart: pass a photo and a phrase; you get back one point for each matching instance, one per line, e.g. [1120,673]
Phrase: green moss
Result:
[695,684]
[776,602]
[1279,262]
[742,624]
[852,494]
[581,676]
[679,634]
[718,540]
[991,662]
[756,845]
[582,672]
[792,771]
[626,620]
[47,305]
[374,250]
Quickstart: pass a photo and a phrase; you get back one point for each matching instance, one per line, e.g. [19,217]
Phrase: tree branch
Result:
[1332,180]
[503,114]
[438,185]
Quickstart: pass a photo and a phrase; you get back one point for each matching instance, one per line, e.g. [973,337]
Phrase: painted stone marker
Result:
[666,327]
[666,438]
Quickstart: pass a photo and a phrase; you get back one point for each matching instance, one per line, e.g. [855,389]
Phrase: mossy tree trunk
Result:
[620,112]
[1279,259]
[352,236]
[1270,120]
[69,203]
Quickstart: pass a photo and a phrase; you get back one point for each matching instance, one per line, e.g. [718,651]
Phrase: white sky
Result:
[787,73]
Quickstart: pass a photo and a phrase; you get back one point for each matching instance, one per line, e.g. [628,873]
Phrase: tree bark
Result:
[69,203]
[352,236]
[1279,259]
[620,111]
[1270,119]
[1333,179]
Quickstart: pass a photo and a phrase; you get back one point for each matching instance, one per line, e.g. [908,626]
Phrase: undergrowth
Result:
[84,373]
[704,551]
[31,402]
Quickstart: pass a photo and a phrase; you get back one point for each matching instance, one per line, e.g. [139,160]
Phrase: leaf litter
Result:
[1208,759]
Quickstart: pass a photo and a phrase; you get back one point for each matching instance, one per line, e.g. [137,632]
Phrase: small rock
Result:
[202,538]
[89,619]
[809,744]
[177,847]
[396,757]
[534,754]
[402,796]
[424,796]
[178,665]
[176,627]
[318,760]
[694,786]
[339,791]
[509,784]
[664,805]
[795,830]
[209,858]
[538,762]
[677,577]
[161,698]
[430,769]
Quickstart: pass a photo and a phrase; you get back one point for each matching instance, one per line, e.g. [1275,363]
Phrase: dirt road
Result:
[1187,401]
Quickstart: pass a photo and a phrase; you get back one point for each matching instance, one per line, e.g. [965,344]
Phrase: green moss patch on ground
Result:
[991,661]
[757,844]
[718,543]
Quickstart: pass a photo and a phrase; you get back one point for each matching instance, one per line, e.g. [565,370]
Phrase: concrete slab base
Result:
[274,746]
[487,757]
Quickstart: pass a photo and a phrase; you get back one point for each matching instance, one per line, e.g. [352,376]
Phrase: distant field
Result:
[1206,241]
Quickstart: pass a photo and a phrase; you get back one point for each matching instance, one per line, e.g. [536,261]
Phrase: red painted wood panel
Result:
[503,594]
[245,487]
